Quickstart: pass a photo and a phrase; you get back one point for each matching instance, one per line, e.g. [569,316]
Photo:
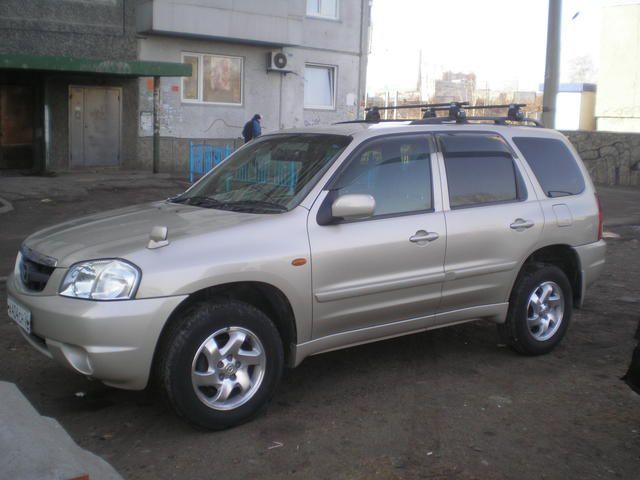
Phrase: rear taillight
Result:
[600,218]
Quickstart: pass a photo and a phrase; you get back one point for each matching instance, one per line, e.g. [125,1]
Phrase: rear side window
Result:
[480,171]
[553,165]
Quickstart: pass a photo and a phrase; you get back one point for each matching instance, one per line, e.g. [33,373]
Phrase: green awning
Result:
[129,68]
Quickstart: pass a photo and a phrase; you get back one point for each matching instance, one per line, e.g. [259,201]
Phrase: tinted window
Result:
[480,179]
[553,165]
[395,171]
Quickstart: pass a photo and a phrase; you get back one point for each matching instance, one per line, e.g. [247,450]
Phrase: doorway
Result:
[16,126]
[95,123]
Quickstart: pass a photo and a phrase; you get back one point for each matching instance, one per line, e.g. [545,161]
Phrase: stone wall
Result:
[611,158]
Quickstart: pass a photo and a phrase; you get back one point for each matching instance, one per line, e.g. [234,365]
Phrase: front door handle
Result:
[422,236]
[521,224]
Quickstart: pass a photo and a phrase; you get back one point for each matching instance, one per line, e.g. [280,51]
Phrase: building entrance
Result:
[16,126]
[95,120]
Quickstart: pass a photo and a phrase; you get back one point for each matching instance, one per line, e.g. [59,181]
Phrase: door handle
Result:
[423,236]
[521,224]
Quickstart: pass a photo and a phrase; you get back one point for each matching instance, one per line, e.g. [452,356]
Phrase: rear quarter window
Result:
[553,165]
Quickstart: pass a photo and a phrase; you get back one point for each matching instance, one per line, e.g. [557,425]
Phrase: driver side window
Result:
[396,171]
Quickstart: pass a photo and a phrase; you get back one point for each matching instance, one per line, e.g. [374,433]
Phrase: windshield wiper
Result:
[257,204]
[236,205]
[198,201]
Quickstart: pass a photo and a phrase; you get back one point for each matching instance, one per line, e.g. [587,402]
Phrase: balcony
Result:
[276,23]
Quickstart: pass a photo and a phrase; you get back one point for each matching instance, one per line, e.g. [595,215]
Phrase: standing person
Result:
[252,129]
[633,374]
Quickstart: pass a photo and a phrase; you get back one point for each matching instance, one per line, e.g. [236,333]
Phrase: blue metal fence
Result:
[260,170]
[202,158]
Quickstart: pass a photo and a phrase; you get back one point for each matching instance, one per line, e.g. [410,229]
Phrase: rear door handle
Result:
[521,224]
[423,236]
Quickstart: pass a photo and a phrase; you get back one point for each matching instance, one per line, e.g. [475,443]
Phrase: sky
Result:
[502,41]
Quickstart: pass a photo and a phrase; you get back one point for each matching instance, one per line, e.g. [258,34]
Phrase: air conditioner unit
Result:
[278,62]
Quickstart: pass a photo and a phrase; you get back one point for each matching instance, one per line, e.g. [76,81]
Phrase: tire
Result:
[540,310]
[221,364]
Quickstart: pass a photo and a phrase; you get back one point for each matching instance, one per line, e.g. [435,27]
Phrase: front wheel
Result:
[540,309]
[222,364]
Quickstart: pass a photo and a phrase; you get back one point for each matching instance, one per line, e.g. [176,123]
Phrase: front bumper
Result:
[112,341]
[591,258]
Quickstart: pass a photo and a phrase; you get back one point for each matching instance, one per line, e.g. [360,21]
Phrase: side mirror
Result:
[354,205]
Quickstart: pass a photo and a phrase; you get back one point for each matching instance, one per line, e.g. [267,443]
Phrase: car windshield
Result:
[272,174]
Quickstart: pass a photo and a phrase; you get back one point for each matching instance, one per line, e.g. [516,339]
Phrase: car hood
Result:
[120,233]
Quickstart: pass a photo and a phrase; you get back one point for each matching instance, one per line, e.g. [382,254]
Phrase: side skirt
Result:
[496,313]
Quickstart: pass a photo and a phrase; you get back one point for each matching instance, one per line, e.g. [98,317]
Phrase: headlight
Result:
[101,280]
[16,268]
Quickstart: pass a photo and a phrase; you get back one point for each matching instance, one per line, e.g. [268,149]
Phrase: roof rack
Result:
[373,113]
[456,114]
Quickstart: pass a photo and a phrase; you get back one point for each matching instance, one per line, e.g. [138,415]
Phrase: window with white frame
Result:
[322,8]
[319,86]
[214,79]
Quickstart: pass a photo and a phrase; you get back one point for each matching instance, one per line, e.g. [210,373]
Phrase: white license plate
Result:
[19,314]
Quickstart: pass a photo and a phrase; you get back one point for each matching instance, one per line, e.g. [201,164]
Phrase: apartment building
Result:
[295,62]
[77,77]
[68,84]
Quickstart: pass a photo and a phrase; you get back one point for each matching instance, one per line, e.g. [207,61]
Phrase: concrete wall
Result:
[611,158]
[80,28]
[618,102]
[279,98]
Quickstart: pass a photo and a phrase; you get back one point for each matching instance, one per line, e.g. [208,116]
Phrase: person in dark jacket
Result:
[633,374]
[252,129]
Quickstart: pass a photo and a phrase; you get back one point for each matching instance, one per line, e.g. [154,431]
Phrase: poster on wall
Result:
[222,79]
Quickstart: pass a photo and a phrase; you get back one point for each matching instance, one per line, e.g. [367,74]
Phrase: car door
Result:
[388,267]
[493,219]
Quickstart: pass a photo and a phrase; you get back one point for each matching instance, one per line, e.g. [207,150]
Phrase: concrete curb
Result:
[32,446]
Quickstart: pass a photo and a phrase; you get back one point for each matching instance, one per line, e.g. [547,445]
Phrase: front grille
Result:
[34,273]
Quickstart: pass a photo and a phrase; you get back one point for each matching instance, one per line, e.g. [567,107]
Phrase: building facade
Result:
[232,47]
[68,84]
[618,99]
[77,77]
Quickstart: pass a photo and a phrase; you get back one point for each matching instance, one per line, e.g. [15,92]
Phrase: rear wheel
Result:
[539,312]
[222,364]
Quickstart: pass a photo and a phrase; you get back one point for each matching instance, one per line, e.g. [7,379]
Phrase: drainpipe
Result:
[156,124]
[552,66]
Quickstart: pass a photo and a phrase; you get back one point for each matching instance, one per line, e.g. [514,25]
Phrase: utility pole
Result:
[552,65]
[156,124]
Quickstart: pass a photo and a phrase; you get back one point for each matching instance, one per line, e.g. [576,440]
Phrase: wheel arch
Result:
[562,256]
[263,296]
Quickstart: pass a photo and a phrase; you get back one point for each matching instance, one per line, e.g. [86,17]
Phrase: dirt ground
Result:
[445,404]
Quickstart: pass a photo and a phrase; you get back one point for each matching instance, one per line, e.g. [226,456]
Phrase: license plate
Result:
[20,315]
